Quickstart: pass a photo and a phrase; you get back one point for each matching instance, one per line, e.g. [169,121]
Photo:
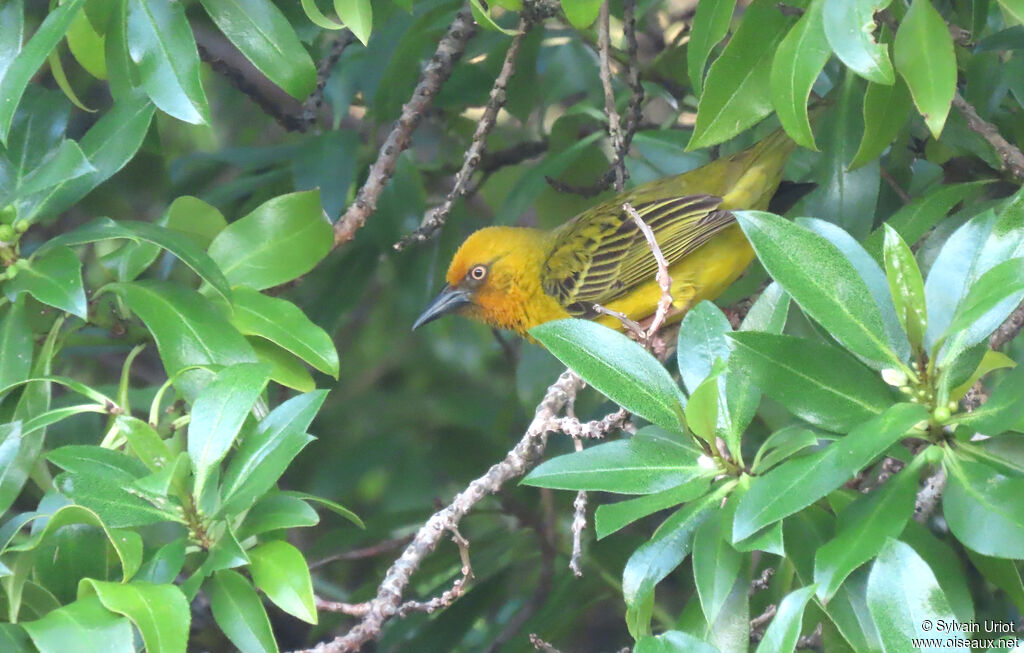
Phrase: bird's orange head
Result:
[495,278]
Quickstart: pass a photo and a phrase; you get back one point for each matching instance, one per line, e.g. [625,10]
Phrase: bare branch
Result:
[435,218]
[449,50]
[759,623]
[448,596]
[312,105]
[614,124]
[523,457]
[1009,329]
[663,276]
[541,645]
[632,327]
[579,522]
[260,97]
[593,430]
[929,495]
[362,553]
[1009,154]
[354,609]
[759,584]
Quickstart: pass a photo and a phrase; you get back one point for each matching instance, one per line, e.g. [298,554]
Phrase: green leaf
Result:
[15,345]
[819,383]
[109,144]
[738,90]
[84,626]
[176,243]
[988,302]
[701,342]
[945,564]
[277,511]
[781,445]
[1003,409]
[611,517]
[798,61]
[990,361]
[710,25]
[357,16]
[65,163]
[266,452]
[12,27]
[218,414]
[266,38]
[161,44]
[673,641]
[915,219]
[822,281]
[280,570]
[902,595]
[924,57]
[862,529]
[284,324]
[285,368]
[784,630]
[280,240]
[200,221]
[666,549]
[317,17]
[906,287]
[481,14]
[117,506]
[160,612]
[983,509]
[19,71]
[716,564]
[800,482]
[886,108]
[188,329]
[617,367]
[333,506]
[641,464]
[238,611]
[164,565]
[54,278]
[13,637]
[91,460]
[848,26]
[702,409]
[1002,573]
[583,13]
[146,443]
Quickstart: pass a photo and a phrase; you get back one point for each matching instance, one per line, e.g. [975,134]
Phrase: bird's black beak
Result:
[445,302]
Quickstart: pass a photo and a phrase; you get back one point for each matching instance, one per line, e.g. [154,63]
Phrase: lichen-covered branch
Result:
[435,217]
[523,457]
[1009,154]
[449,50]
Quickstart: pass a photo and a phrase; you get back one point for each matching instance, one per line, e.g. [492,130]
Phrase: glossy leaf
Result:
[784,630]
[702,340]
[238,611]
[266,38]
[924,57]
[280,240]
[277,511]
[906,286]
[333,506]
[798,61]
[285,368]
[638,465]
[218,414]
[989,301]
[737,93]
[19,71]
[800,482]
[284,324]
[54,278]
[781,445]
[357,16]
[822,281]
[904,597]
[280,570]
[160,612]
[15,345]
[848,26]
[188,330]
[117,506]
[1003,409]
[84,626]
[172,241]
[886,107]
[710,25]
[817,382]
[716,564]
[673,641]
[161,44]
[611,517]
[146,443]
[983,509]
[65,163]
[582,13]
[165,564]
[666,549]
[862,529]
[317,17]
[617,367]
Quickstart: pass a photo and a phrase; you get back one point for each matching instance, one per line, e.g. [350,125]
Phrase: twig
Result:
[449,50]
[895,186]
[1009,329]
[759,584]
[663,276]
[435,217]
[448,596]
[312,104]
[929,495]
[632,327]
[614,124]
[758,623]
[579,522]
[238,79]
[1011,157]
[518,461]
[812,641]
[363,553]
[593,430]
[541,645]
[354,609]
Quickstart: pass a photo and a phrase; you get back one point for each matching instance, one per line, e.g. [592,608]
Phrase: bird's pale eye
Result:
[477,273]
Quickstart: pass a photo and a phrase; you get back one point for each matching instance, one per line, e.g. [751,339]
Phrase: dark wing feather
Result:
[601,255]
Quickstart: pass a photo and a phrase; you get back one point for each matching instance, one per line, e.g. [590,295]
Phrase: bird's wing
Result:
[603,255]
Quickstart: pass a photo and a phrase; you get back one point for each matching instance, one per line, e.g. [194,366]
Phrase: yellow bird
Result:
[518,277]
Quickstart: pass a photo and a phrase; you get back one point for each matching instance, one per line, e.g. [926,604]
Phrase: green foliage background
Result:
[148,196]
